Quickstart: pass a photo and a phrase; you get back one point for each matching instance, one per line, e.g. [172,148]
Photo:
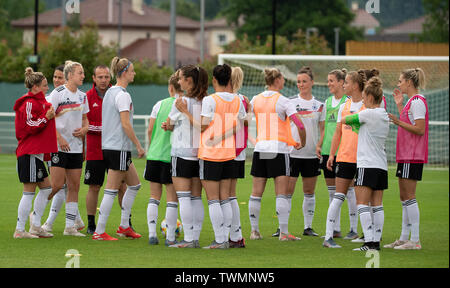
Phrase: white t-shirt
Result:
[157,106]
[417,110]
[242,155]
[69,108]
[372,137]
[354,107]
[283,110]
[116,100]
[185,139]
[311,112]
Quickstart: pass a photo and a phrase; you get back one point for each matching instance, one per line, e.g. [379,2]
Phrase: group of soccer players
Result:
[197,141]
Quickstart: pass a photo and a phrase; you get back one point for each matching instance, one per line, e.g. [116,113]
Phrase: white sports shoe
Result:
[41,233]
[72,231]
[395,244]
[47,227]
[409,245]
[24,235]
[255,235]
[79,224]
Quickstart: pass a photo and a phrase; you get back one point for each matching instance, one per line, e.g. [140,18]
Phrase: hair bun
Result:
[29,71]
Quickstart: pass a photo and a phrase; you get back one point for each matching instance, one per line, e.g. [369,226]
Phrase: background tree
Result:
[435,28]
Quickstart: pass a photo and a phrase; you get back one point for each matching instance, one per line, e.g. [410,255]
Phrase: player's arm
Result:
[81,132]
[128,129]
[300,128]
[36,122]
[334,145]
[151,123]
[320,142]
[418,128]
[181,105]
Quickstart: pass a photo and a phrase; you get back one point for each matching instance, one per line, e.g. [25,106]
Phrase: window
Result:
[222,39]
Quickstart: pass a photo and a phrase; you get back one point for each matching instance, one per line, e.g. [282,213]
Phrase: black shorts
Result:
[305,167]
[323,165]
[158,172]
[117,160]
[185,168]
[216,171]
[67,160]
[239,169]
[31,169]
[374,178]
[94,172]
[270,165]
[411,171]
[345,170]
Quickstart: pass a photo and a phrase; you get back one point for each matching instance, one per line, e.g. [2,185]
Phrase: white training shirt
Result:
[240,132]
[283,110]
[116,100]
[354,107]
[372,137]
[185,138]
[69,108]
[417,110]
[311,112]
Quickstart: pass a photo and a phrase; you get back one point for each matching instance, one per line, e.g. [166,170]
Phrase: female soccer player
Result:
[184,119]
[117,112]
[372,126]
[236,239]
[159,168]
[271,154]
[220,113]
[36,136]
[72,125]
[347,140]
[305,161]
[412,152]
[336,79]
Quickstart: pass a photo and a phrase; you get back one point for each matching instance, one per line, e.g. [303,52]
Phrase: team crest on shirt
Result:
[55,159]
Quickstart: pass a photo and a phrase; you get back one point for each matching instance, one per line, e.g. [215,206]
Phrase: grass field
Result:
[432,196]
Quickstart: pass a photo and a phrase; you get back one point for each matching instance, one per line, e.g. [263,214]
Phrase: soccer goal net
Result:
[437,89]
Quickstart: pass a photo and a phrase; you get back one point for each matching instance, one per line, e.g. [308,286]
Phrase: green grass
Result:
[432,196]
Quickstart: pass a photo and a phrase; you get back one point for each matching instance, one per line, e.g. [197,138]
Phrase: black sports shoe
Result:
[309,232]
[276,234]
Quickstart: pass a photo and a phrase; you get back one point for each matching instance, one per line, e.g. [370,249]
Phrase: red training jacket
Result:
[34,132]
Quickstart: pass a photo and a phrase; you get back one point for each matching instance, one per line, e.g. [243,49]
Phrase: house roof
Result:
[151,47]
[364,19]
[413,26]
[105,15]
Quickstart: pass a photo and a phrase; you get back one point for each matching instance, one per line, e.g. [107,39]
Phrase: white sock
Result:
[352,209]
[254,208]
[171,220]
[227,217]
[414,218]
[186,214]
[236,229]
[152,216]
[337,223]
[406,227]
[127,204]
[282,207]
[333,213]
[71,214]
[216,216]
[105,209]
[24,209]
[40,203]
[198,214]
[309,205]
[57,202]
[366,222]
[378,222]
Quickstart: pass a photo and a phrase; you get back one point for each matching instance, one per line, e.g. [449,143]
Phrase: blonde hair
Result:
[69,67]
[417,77]
[271,74]
[339,74]
[173,80]
[33,78]
[358,77]
[118,66]
[374,88]
[237,78]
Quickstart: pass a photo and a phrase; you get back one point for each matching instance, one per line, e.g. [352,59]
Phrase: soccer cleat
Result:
[196,244]
[409,245]
[72,231]
[337,234]
[90,230]
[24,235]
[183,244]
[153,241]
[168,242]
[255,235]
[330,244]
[395,244]
[215,245]
[351,235]
[41,233]
[237,244]
[359,240]
[79,224]
[366,247]
[309,232]
[288,237]
[277,233]
[129,233]
[103,237]
[47,227]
